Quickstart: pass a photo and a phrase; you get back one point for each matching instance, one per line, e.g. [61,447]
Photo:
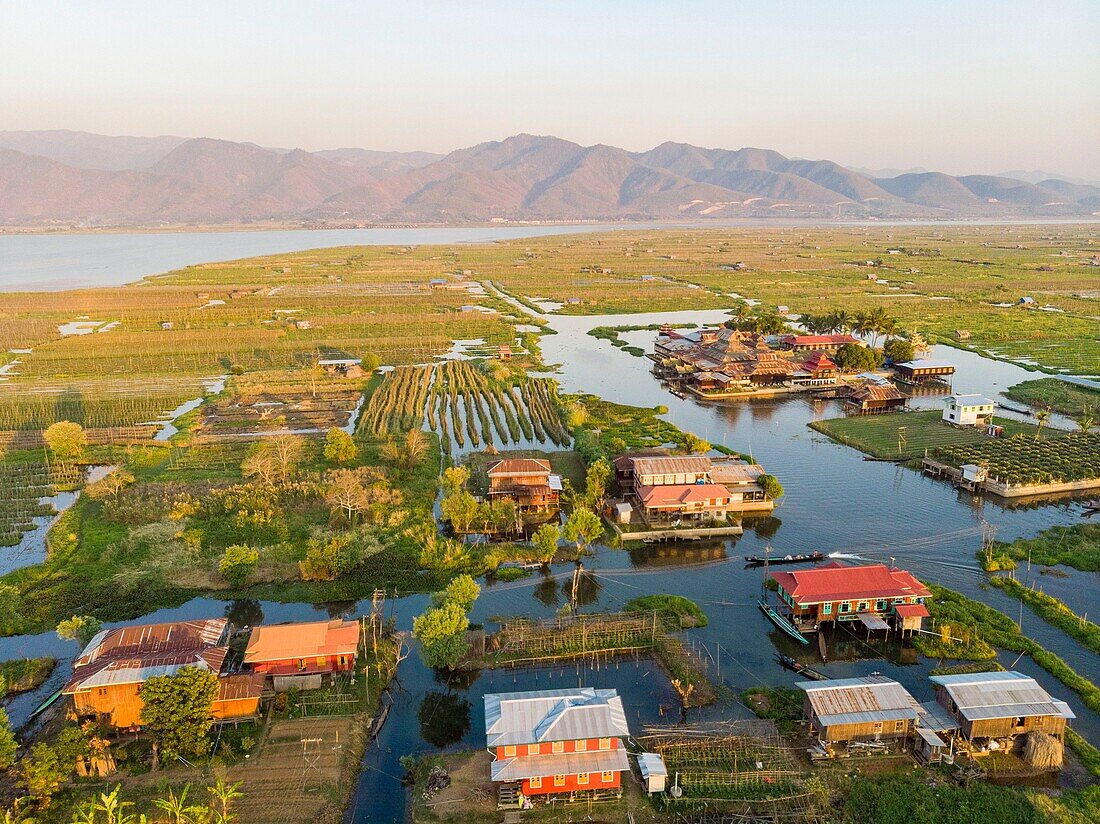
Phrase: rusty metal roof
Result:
[672,465]
[152,639]
[859,700]
[518,466]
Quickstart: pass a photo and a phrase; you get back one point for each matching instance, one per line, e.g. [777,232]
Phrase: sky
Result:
[960,87]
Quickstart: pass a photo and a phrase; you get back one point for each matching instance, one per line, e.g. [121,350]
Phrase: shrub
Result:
[238,563]
[771,486]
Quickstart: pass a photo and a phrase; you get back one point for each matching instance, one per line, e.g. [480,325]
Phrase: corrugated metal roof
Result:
[927,364]
[981,696]
[872,621]
[152,639]
[930,737]
[836,582]
[650,763]
[859,700]
[566,763]
[672,465]
[518,466]
[934,716]
[282,642]
[553,715]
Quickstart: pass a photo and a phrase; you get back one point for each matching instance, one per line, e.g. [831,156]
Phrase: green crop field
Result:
[1077,402]
[881,435]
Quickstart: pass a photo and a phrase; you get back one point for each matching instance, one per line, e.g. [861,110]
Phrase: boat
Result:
[812,557]
[800,668]
[782,622]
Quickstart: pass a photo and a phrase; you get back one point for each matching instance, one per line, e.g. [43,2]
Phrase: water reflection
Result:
[245,612]
[444,718]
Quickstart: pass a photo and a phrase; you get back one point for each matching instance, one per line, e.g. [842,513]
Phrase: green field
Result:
[1057,395]
[879,435]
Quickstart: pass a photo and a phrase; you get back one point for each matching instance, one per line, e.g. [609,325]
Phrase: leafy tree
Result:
[595,483]
[576,415]
[502,514]
[852,357]
[10,602]
[460,508]
[371,362]
[899,350]
[8,744]
[462,591]
[616,445]
[79,628]
[583,527]
[441,633]
[238,563]
[455,479]
[545,541]
[66,440]
[340,447]
[42,774]
[695,444]
[330,555]
[771,486]
[176,712]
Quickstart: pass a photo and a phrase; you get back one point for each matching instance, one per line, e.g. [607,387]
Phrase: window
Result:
[608,776]
[558,746]
[862,606]
[845,606]
[559,780]
[536,782]
[878,727]
[301,663]
[322,660]
[509,752]
[532,749]
[580,746]
[605,743]
[582,778]
[880,605]
[899,726]
[827,609]
[102,690]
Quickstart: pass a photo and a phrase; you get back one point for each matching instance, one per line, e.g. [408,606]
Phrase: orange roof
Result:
[677,494]
[241,686]
[837,582]
[912,610]
[817,362]
[518,466]
[283,642]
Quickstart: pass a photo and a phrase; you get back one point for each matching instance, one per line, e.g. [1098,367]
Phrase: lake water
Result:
[51,262]
[834,501]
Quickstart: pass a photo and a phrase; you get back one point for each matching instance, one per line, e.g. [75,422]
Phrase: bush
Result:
[676,609]
[771,486]
[237,564]
[852,357]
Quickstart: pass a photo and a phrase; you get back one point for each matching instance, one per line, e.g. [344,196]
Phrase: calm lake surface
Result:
[834,501]
[52,262]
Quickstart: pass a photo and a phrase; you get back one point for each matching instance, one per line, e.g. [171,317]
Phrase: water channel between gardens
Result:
[835,501]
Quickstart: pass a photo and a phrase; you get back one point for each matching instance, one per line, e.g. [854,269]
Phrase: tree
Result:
[416,446]
[286,449]
[111,485]
[771,486]
[595,483]
[42,774]
[852,357]
[66,440]
[441,632]
[576,415]
[79,628]
[1086,420]
[1041,417]
[462,591]
[340,447]
[694,444]
[330,555]
[176,712]
[899,350]
[260,464]
[545,541]
[238,563]
[460,508]
[454,479]
[345,493]
[8,745]
[222,796]
[583,528]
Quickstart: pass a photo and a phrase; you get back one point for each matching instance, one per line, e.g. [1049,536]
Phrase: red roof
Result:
[911,610]
[677,494]
[818,362]
[837,582]
[813,340]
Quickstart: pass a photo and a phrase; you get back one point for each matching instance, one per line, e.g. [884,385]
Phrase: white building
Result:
[968,410]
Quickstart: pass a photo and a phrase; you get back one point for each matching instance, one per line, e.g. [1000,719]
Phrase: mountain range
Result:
[80,179]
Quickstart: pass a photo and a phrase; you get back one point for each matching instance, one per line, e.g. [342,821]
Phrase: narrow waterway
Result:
[834,501]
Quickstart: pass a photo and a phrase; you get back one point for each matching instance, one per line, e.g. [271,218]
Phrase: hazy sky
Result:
[957,86]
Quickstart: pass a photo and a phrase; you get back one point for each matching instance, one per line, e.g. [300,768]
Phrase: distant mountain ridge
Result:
[168,180]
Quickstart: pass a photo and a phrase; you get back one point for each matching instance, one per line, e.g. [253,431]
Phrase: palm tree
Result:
[840,321]
[1041,418]
[1086,420]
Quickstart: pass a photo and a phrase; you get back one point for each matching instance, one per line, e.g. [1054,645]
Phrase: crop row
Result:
[1021,460]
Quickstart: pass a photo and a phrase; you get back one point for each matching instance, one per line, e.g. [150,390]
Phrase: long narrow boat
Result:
[782,622]
[811,557]
[800,668]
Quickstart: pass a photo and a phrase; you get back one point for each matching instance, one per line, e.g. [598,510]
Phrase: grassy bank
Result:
[24,674]
[1076,546]
[881,435]
[1057,395]
[1052,611]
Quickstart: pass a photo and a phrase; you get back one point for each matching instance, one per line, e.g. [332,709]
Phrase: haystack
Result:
[1042,750]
